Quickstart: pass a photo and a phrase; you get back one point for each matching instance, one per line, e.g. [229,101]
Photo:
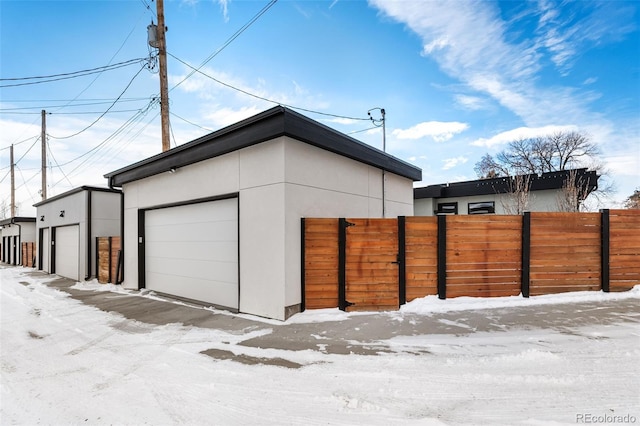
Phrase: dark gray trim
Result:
[303,231]
[52,250]
[15,220]
[526,254]
[142,267]
[503,185]
[75,191]
[342,264]
[268,125]
[402,257]
[87,275]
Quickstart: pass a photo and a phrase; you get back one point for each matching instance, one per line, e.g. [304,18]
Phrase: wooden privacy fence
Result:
[28,254]
[380,264]
[109,260]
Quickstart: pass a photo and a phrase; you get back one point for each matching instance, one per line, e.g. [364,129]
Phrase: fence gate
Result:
[371,264]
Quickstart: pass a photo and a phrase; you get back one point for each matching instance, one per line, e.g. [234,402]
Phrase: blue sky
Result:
[457,79]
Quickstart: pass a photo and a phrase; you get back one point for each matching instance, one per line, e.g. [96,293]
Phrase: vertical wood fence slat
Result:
[320,263]
[421,256]
[27,254]
[108,249]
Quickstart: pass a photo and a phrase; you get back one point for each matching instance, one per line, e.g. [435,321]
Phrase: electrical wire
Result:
[263,98]
[75,74]
[228,42]
[18,143]
[104,113]
[190,122]
[58,165]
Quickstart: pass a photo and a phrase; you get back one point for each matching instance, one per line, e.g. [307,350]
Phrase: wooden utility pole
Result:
[13,184]
[43,137]
[164,88]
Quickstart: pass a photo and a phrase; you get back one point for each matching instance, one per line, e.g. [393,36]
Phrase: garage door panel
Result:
[224,230]
[201,250]
[67,246]
[191,251]
[189,268]
[196,289]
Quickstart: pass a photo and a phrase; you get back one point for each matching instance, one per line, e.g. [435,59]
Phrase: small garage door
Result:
[44,251]
[67,247]
[191,251]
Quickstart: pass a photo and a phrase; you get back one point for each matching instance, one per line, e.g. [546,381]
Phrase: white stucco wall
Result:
[539,201]
[278,182]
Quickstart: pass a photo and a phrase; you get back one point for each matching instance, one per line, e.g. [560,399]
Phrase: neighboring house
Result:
[14,232]
[68,225]
[501,195]
[217,220]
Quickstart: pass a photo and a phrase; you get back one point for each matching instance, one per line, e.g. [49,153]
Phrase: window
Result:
[484,207]
[447,208]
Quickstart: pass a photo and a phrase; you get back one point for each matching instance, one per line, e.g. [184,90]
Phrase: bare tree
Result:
[517,200]
[575,190]
[555,152]
[551,153]
[633,200]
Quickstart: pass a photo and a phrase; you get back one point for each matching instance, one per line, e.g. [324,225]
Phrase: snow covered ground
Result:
[64,362]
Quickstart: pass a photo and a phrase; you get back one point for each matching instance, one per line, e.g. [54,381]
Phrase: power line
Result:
[190,122]
[75,74]
[263,98]
[104,113]
[18,143]
[228,42]
[58,165]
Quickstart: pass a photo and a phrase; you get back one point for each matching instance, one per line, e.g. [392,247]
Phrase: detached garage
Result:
[13,232]
[217,220]
[67,227]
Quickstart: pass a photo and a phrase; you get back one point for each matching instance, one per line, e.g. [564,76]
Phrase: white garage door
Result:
[45,244]
[67,246]
[192,251]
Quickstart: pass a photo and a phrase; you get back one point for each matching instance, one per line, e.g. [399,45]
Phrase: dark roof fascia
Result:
[268,125]
[546,181]
[76,190]
[16,219]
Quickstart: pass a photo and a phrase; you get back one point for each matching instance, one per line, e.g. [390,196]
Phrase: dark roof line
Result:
[16,219]
[75,190]
[549,180]
[267,125]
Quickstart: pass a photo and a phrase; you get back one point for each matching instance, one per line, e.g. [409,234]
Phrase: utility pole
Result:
[384,149]
[164,88]
[43,138]
[13,184]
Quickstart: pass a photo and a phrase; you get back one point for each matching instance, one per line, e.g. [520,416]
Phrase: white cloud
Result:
[481,53]
[438,130]
[590,80]
[519,133]
[225,116]
[224,7]
[450,163]
[472,103]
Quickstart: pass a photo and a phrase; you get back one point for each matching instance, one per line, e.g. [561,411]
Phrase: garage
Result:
[67,251]
[191,251]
